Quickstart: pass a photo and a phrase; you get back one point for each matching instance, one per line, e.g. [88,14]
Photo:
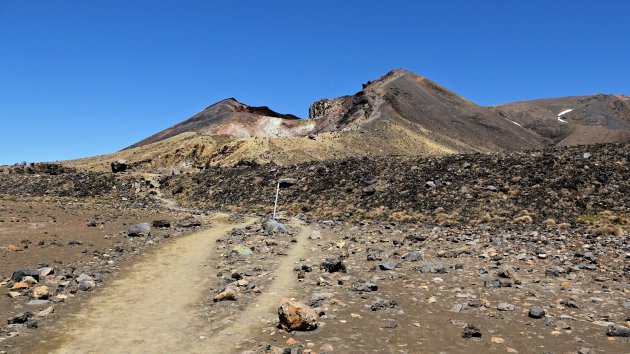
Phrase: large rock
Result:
[161,223]
[362,286]
[388,266]
[23,272]
[227,294]
[382,304]
[275,226]
[141,229]
[119,166]
[295,316]
[40,292]
[537,312]
[431,267]
[45,271]
[504,306]
[333,266]
[287,182]
[617,331]
[471,331]
[86,282]
[19,286]
[21,318]
[554,271]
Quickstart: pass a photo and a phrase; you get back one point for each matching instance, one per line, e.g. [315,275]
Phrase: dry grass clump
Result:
[606,223]
[607,230]
[606,217]
[488,218]
[525,219]
[407,216]
[329,211]
[383,213]
[446,219]
[550,223]
[376,213]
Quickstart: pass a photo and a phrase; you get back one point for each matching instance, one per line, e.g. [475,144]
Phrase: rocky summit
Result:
[403,218]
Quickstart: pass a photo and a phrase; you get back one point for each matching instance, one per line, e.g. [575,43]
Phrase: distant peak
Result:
[402,71]
[392,75]
[231,101]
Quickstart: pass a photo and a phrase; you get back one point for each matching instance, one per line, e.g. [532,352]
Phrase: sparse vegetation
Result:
[525,219]
[606,223]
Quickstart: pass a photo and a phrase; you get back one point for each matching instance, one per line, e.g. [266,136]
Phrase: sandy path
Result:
[148,309]
[283,285]
[151,308]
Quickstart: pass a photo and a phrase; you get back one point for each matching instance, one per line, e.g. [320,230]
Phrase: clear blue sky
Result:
[79,78]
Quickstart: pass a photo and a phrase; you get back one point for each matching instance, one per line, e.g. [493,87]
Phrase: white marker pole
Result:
[275,207]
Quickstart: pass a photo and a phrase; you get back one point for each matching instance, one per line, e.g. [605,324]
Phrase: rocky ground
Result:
[410,289]
[558,185]
[525,252]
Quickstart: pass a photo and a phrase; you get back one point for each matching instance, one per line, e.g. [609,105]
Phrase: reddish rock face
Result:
[295,316]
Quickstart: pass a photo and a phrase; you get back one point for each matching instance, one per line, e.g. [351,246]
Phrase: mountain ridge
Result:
[399,113]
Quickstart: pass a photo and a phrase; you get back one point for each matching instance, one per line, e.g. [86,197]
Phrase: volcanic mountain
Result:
[406,100]
[230,117]
[400,113]
[398,98]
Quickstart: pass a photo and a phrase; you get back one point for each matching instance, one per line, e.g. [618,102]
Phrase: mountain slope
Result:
[404,98]
[573,120]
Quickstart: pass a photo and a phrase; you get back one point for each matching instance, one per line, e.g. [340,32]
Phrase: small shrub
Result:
[607,230]
[525,219]
[445,219]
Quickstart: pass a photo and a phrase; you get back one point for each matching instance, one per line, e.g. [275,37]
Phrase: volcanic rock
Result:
[295,316]
[333,265]
[20,273]
[275,226]
[141,229]
[536,312]
[119,166]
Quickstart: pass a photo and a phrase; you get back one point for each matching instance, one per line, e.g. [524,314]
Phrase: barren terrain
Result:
[521,252]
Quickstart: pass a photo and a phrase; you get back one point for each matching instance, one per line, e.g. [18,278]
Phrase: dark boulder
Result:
[23,272]
[119,166]
[333,265]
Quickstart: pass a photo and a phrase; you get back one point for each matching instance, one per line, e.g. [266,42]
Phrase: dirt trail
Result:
[283,285]
[151,309]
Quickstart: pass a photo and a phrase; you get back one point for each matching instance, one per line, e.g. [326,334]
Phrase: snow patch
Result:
[514,122]
[563,113]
